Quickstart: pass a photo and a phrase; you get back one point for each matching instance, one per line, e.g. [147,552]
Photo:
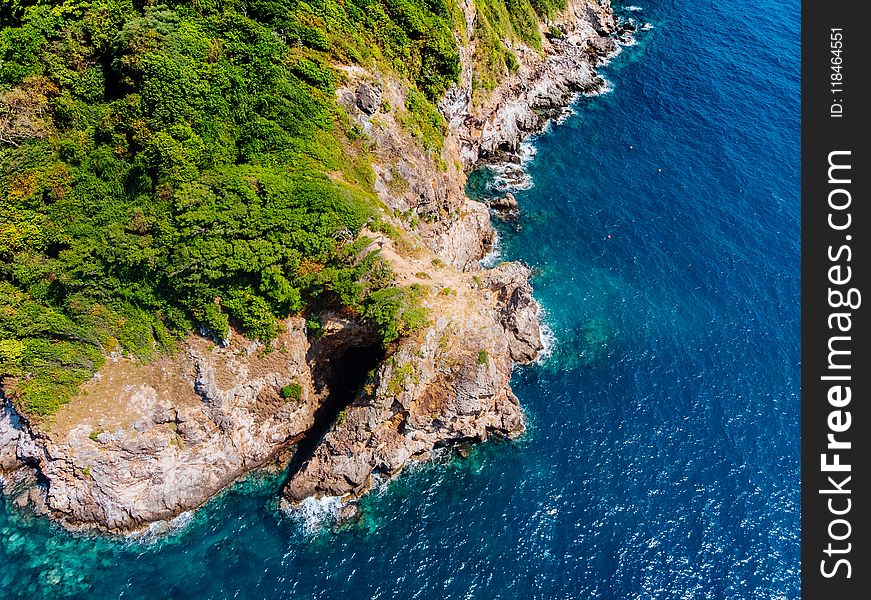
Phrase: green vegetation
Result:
[380,226]
[314,327]
[402,375]
[547,8]
[424,121]
[483,357]
[413,37]
[292,391]
[397,311]
[444,338]
[506,20]
[176,166]
[165,167]
[95,435]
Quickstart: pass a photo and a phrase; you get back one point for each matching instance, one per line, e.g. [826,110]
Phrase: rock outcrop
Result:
[544,84]
[482,126]
[448,383]
[411,182]
[144,443]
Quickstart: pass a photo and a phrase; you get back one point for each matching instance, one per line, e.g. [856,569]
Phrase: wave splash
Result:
[314,514]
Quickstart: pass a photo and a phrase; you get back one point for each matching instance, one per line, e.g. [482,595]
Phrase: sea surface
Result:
[662,458]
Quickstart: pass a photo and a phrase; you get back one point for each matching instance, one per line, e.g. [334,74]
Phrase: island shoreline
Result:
[57,484]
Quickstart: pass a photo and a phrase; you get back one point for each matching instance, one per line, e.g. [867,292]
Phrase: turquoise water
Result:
[662,459]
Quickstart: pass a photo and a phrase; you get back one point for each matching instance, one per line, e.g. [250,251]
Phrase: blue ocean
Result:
[662,457]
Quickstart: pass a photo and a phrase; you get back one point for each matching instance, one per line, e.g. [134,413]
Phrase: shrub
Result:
[314,327]
[252,312]
[424,121]
[396,312]
[292,391]
[402,375]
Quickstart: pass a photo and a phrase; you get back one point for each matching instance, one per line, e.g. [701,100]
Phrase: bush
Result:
[396,312]
[292,391]
[424,121]
[483,357]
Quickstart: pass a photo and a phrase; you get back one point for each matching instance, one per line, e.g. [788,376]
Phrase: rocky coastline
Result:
[145,443]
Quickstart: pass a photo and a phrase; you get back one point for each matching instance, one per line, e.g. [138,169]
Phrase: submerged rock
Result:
[506,203]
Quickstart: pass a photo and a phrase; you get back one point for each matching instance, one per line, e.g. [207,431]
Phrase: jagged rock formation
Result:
[543,86]
[143,443]
[446,384]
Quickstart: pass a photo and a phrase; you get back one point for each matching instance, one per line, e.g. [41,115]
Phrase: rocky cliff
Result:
[143,443]
[447,383]
[146,442]
[450,383]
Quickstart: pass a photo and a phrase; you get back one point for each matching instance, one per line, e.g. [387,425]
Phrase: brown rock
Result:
[445,385]
[169,434]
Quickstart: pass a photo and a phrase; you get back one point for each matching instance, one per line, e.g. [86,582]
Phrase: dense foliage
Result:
[173,166]
[416,37]
[396,312]
[167,167]
[506,20]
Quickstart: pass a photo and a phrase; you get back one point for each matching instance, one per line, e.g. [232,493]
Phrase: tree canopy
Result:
[168,167]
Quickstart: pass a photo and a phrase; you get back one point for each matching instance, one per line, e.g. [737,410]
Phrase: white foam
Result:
[527,151]
[606,88]
[606,60]
[313,513]
[509,177]
[548,338]
[494,257]
[162,529]
[634,8]
[567,112]
[512,176]
[380,483]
